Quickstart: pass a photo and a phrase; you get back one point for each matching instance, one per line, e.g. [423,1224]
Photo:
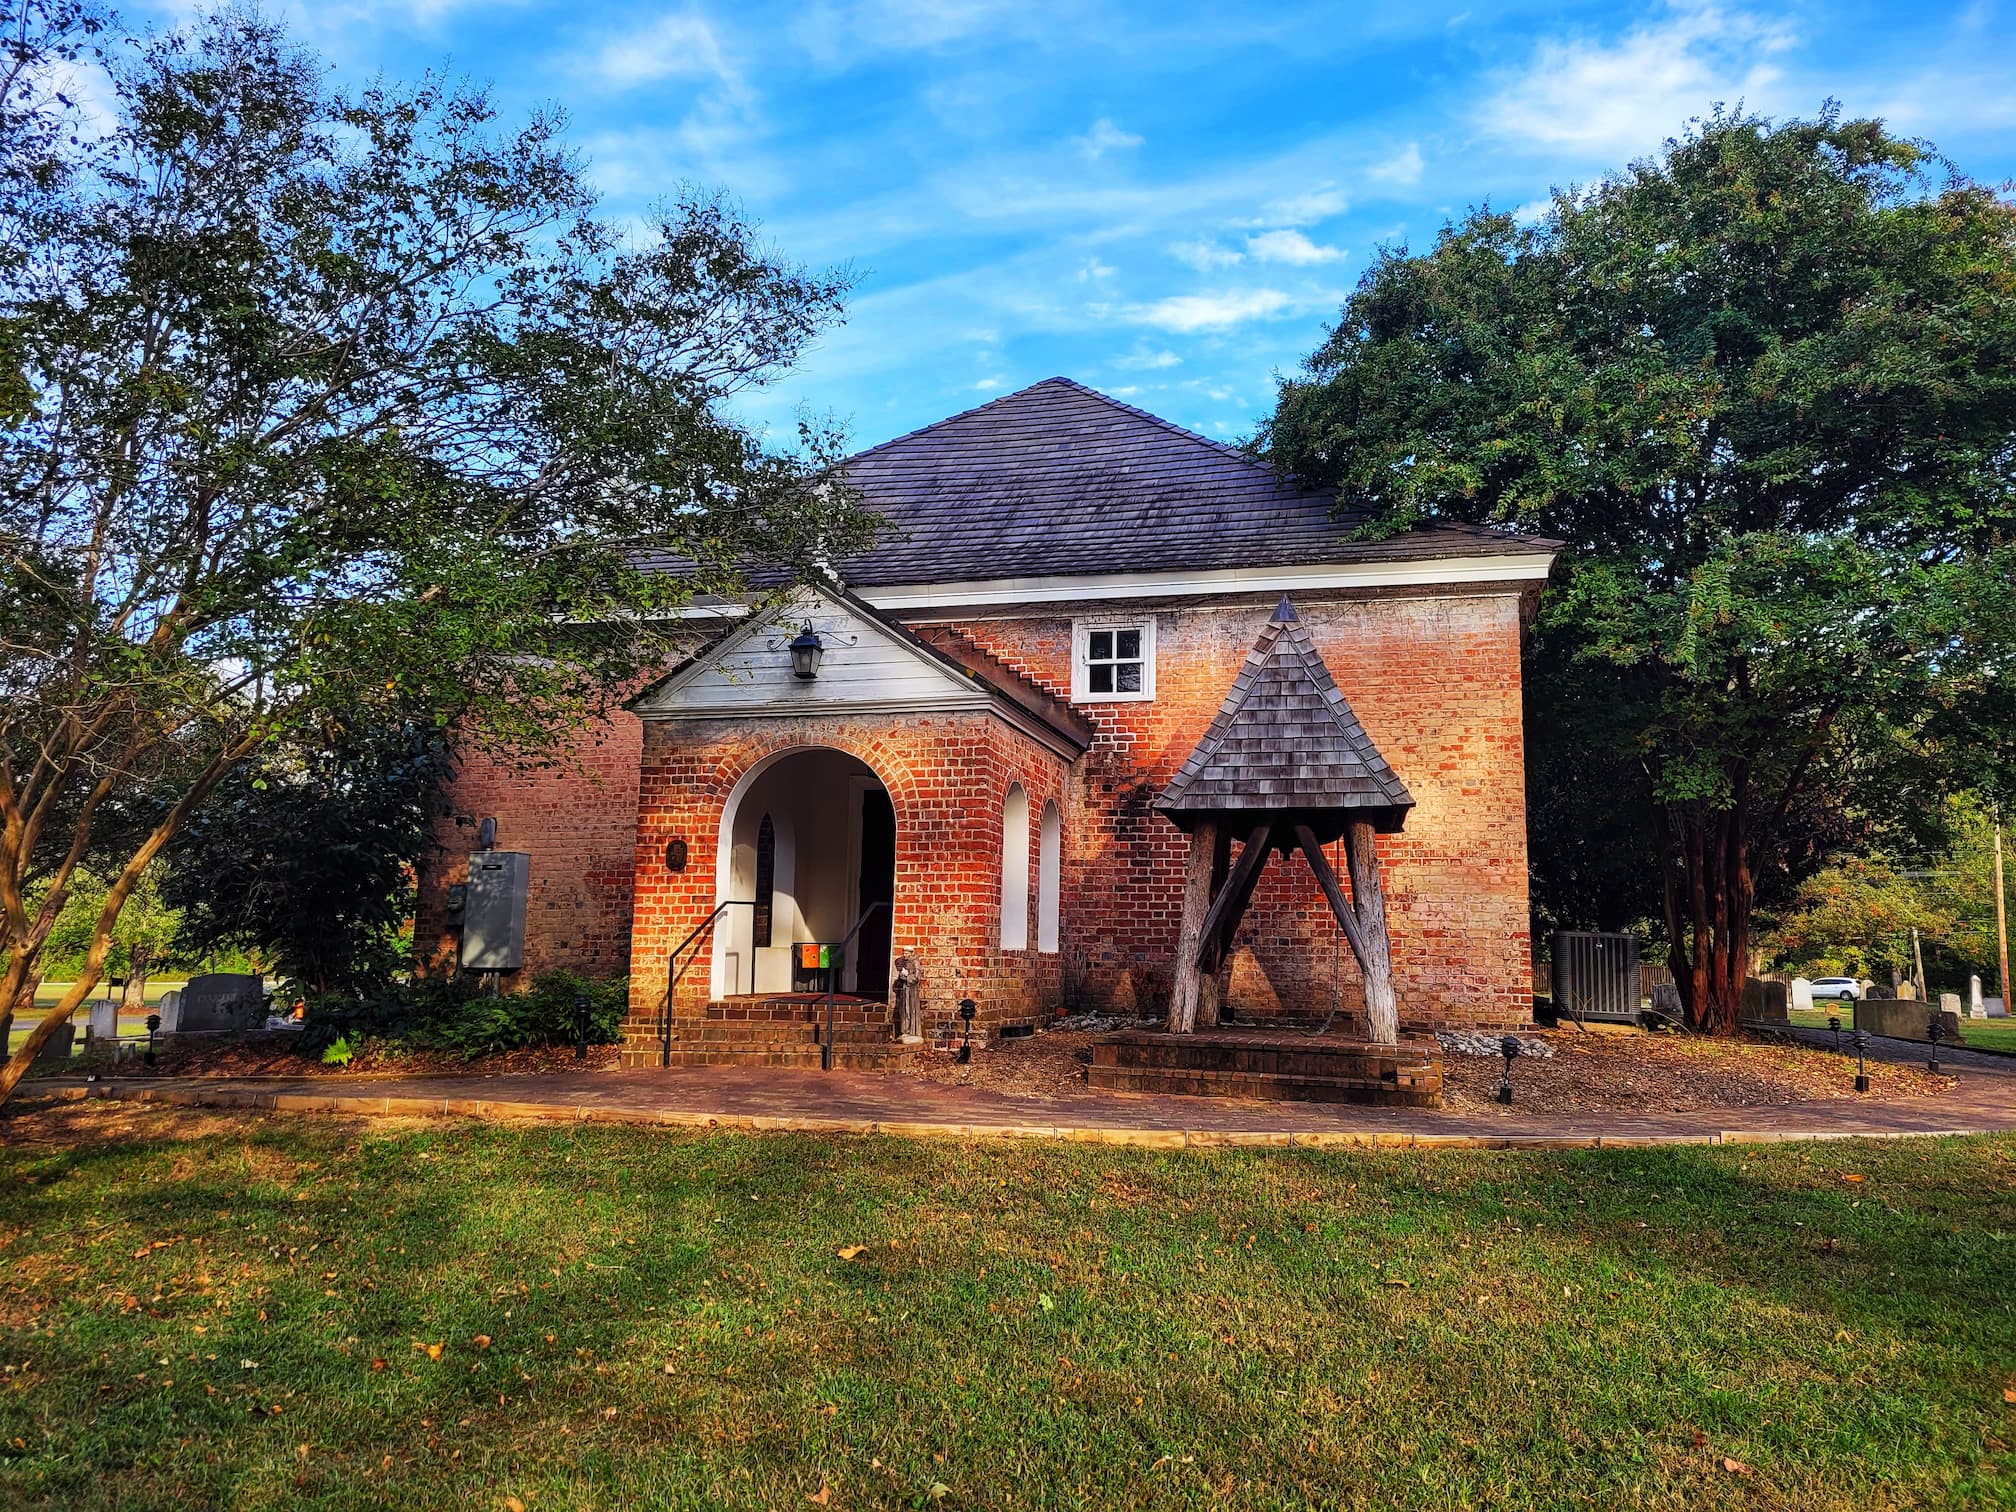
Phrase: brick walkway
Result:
[858,1103]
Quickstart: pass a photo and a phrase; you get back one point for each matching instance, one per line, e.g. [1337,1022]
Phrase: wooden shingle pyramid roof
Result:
[1286,743]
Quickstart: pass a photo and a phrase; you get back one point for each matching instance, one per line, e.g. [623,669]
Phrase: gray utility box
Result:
[1595,977]
[493,914]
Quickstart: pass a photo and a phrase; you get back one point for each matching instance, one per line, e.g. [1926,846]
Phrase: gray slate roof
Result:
[1060,480]
[1286,742]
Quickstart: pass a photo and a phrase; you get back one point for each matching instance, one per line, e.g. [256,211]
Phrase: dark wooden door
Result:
[877,885]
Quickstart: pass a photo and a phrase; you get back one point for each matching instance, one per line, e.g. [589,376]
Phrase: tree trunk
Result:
[1711,896]
[1186,989]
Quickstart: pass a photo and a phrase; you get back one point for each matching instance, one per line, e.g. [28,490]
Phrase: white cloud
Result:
[676,47]
[1403,167]
[1147,361]
[1092,270]
[1307,208]
[988,385]
[1104,137]
[1204,255]
[1211,312]
[1611,100]
[1291,247]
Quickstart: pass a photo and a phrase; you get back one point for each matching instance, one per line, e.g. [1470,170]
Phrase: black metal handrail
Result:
[674,971]
[826,1039]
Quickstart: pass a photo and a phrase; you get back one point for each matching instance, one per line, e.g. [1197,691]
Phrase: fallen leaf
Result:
[851,1251]
[2009,1393]
[433,1351]
[378,1365]
[512,1504]
[939,1490]
[1735,1466]
[482,1341]
[822,1496]
[1700,1439]
[1043,1301]
[1850,1176]
[1399,1281]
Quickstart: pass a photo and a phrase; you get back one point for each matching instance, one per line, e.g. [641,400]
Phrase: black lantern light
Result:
[967,1009]
[1860,1039]
[153,1027]
[1510,1045]
[1834,1024]
[1935,1031]
[806,650]
[580,1026]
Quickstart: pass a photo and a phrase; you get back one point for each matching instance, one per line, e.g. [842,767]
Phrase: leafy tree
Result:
[1763,387]
[336,406]
[1855,916]
[308,859]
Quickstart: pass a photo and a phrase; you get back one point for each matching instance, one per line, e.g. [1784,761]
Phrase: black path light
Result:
[580,1026]
[967,1009]
[1860,1039]
[806,651]
[1510,1045]
[1834,1023]
[153,1027]
[1935,1031]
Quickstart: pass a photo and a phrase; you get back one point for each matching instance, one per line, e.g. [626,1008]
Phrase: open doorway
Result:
[808,842]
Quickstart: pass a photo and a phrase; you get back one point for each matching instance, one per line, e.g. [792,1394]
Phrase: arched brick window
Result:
[1015,869]
[1049,877]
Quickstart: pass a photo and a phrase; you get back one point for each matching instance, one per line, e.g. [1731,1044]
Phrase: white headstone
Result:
[1976,1008]
[1802,994]
[1949,1002]
[105,1019]
[170,1009]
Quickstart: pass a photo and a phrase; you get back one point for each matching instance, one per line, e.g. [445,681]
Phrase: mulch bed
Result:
[1588,1073]
[277,1055]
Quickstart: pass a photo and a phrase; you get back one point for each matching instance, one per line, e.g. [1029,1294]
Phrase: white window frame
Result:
[1081,652]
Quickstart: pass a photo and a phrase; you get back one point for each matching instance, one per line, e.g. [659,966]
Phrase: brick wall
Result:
[947,776]
[578,820]
[1435,680]
[1436,683]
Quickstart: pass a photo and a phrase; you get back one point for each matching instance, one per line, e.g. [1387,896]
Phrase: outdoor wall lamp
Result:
[806,651]
[1510,1045]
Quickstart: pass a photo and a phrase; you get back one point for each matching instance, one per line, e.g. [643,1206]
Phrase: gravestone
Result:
[1903,1018]
[170,1009]
[1996,1007]
[104,1019]
[1802,995]
[1763,1002]
[1949,1002]
[1666,1000]
[1906,993]
[223,1000]
[1976,1008]
[58,1051]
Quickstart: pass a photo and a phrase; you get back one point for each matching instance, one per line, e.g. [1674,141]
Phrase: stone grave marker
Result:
[1802,994]
[1976,1008]
[223,1000]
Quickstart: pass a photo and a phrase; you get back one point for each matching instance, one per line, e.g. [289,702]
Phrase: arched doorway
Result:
[808,838]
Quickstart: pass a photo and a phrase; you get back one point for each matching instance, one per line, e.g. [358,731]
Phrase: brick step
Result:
[1202,1082]
[867,1056]
[798,1008]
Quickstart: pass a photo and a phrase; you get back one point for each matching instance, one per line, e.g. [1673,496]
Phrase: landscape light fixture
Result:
[153,1025]
[1834,1023]
[1935,1030]
[967,1009]
[1860,1039]
[806,651]
[580,1026]
[1510,1045]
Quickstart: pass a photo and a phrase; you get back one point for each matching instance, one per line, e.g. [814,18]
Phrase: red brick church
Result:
[943,763]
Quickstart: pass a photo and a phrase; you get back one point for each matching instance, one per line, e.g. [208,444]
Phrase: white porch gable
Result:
[867,668]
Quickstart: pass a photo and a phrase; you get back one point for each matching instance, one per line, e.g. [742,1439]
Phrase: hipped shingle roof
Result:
[1286,743]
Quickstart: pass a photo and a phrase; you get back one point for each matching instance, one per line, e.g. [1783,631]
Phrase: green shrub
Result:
[442,1014]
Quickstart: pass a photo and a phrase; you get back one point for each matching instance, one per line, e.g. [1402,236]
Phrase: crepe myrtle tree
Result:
[330,407]
[1763,387]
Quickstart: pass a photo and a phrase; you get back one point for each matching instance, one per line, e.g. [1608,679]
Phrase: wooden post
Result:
[1186,988]
[1382,1014]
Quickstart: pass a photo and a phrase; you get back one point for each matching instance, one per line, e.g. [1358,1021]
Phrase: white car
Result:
[1847,989]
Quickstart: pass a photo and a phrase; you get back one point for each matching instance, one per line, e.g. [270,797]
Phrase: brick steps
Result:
[1270,1066]
[779,1032]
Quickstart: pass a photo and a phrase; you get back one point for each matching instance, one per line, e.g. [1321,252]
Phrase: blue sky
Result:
[1167,202]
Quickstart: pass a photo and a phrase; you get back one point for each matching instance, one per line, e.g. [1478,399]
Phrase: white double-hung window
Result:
[1115,661]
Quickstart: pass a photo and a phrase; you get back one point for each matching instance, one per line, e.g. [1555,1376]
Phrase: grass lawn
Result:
[211,1310]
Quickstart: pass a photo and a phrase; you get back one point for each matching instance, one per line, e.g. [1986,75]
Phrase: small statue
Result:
[909,988]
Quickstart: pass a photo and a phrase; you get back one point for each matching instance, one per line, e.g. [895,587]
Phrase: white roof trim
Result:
[1524,566]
